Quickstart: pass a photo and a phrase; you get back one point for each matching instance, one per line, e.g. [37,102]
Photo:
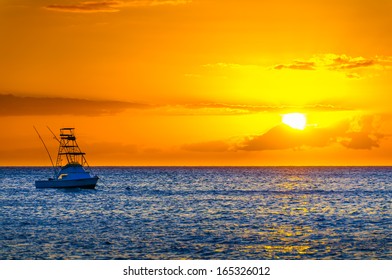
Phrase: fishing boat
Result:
[71,169]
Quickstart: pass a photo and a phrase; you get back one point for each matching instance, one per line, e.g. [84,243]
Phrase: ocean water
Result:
[200,213]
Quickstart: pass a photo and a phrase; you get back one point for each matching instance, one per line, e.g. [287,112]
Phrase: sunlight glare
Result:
[295,120]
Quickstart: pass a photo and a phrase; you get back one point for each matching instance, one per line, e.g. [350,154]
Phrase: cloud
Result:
[351,67]
[164,2]
[333,62]
[343,63]
[297,65]
[12,105]
[210,146]
[221,109]
[233,66]
[112,149]
[87,7]
[360,134]
[283,137]
[353,75]
[110,6]
[361,140]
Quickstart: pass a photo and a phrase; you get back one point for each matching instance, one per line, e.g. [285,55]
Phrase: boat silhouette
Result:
[71,169]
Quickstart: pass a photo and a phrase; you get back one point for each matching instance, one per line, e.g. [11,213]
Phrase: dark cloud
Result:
[87,7]
[109,6]
[334,62]
[359,133]
[242,109]
[353,76]
[297,65]
[12,105]
[345,62]
[361,140]
[283,137]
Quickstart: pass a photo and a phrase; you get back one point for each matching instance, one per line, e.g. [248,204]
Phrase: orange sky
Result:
[198,82]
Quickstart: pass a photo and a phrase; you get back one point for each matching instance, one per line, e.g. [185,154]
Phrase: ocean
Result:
[166,213]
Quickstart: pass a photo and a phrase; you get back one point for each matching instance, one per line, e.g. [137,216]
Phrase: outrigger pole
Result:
[54,135]
[54,168]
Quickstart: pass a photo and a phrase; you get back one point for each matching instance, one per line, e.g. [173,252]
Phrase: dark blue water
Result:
[200,213]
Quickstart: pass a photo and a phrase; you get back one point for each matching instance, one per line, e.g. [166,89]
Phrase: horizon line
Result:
[195,166]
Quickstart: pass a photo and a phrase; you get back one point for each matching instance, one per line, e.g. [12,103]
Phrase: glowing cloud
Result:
[341,63]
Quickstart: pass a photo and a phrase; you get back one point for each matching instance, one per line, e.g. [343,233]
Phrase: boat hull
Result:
[85,183]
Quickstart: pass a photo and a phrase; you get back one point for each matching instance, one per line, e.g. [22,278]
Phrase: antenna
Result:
[54,135]
[54,169]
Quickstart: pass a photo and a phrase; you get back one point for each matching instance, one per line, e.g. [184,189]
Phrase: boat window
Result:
[61,176]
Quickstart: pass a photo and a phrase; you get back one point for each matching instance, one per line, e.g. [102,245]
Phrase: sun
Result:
[295,120]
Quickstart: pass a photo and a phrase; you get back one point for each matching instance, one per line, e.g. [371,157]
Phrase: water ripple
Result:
[200,213]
